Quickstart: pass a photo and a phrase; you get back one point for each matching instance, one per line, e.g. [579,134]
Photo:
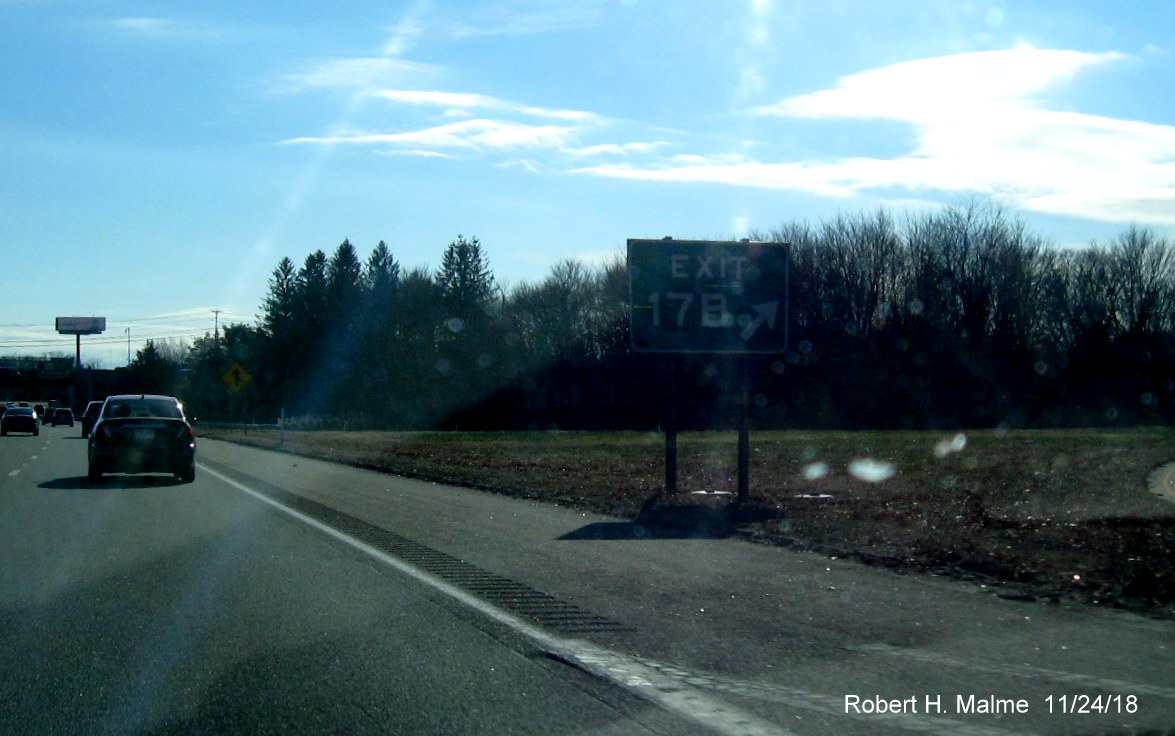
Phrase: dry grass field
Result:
[1046,515]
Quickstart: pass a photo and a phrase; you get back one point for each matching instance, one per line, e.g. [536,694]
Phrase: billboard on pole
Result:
[81,325]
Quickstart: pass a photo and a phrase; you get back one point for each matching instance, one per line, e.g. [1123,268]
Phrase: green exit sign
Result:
[708,296]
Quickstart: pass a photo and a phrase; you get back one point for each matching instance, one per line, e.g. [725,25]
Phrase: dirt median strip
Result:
[1031,515]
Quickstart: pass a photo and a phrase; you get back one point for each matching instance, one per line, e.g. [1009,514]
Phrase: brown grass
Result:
[1035,514]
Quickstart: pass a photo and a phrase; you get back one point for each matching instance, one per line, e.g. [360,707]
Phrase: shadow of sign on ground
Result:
[686,521]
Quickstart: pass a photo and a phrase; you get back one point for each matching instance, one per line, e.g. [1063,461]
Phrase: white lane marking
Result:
[13,472]
[1018,670]
[627,672]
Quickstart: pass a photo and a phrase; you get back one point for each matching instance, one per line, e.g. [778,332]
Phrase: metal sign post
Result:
[744,433]
[705,296]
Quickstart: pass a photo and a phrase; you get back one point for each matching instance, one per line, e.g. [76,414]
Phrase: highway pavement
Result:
[286,595]
[144,606]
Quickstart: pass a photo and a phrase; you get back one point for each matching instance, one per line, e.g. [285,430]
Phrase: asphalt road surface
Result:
[282,595]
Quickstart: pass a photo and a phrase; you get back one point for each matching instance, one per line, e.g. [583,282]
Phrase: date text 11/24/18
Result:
[1103,704]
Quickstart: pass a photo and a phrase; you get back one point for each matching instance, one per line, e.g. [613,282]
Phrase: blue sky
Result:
[157,159]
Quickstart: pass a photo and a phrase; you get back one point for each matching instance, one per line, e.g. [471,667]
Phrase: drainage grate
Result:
[503,592]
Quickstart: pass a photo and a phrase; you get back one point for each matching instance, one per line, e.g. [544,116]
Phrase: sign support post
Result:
[744,433]
[671,433]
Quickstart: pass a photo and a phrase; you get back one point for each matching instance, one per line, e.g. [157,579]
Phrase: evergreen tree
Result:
[280,328]
[465,280]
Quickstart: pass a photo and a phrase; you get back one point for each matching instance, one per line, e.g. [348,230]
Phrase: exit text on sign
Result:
[708,296]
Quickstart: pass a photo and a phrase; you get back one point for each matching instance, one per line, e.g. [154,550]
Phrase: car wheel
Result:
[187,475]
[95,473]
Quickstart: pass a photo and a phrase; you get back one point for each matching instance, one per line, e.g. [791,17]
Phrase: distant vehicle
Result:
[44,415]
[89,416]
[61,416]
[142,433]
[19,419]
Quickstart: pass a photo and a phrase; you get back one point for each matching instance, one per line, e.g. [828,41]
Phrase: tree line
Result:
[960,317]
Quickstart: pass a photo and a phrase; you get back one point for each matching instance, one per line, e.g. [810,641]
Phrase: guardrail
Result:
[246,428]
[231,425]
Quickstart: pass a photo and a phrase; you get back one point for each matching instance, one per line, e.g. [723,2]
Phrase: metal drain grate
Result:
[503,592]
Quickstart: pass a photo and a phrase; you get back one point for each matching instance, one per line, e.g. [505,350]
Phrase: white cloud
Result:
[949,88]
[982,125]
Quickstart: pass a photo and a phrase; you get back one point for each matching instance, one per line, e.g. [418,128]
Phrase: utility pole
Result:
[216,328]
[128,346]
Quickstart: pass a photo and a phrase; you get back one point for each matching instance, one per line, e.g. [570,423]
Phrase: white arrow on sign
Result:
[764,313]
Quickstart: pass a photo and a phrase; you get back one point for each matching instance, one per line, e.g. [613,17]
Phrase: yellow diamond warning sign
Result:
[236,377]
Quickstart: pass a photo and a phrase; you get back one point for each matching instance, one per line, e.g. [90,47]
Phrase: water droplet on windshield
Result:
[872,471]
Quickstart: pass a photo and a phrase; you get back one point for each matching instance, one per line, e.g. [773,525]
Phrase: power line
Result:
[173,317]
[34,342]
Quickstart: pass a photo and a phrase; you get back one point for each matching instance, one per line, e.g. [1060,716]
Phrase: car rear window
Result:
[143,408]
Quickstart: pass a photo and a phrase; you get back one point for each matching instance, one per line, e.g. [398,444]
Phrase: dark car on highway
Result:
[89,416]
[61,416]
[19,419]
[142,433]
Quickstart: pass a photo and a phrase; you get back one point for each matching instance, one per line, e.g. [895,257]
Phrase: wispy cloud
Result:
[468,101]
[146,26]
[161,29]
[489,125]
[792,176]
[364,74]
[478,134]
[755,45]
[523,18]
[407,31]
